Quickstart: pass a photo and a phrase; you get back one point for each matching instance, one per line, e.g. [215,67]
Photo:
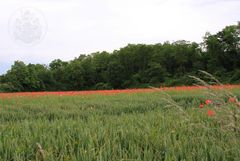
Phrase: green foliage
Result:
[223,49]
[138,65]
[235,77]
[4,87]
[102,86]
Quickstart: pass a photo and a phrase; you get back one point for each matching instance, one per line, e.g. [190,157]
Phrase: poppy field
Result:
[178,123]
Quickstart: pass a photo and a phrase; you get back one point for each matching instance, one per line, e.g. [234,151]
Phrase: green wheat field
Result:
[118,127]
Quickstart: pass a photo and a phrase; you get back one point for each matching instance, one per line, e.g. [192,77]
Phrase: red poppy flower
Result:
[208,102]
[201,105]
[211,113]
[232,100]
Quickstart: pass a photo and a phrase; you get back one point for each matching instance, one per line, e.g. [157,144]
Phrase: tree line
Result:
[134,66]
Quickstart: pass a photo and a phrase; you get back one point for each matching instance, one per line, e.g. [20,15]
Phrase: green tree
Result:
[223,49]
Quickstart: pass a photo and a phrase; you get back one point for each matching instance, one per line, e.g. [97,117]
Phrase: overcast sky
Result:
[73,27]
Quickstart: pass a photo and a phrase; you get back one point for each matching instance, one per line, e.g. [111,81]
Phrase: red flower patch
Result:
[201,105]
[207,102]
[232,100]
[211,113]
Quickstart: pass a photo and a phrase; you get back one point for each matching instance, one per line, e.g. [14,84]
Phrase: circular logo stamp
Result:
[27,26]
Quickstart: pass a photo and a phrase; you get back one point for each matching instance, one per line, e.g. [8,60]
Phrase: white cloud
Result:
[78,26]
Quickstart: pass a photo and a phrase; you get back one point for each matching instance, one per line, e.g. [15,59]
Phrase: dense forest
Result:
[133,66]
